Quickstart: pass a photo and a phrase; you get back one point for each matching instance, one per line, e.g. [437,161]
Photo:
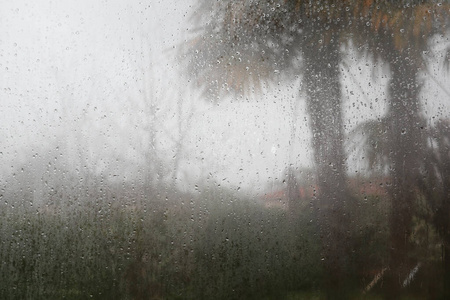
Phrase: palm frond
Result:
[247,43]
[406,25]
[242,44]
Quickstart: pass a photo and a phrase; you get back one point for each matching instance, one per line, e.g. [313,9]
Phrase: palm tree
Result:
[246,42]
[437,189]
[398,34]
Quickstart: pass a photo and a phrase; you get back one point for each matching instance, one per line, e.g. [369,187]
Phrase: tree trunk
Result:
[323,90]
[445,165]
[406,140]
[441,201]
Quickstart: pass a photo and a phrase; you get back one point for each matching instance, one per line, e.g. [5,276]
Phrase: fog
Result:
[98,102]
[79,76]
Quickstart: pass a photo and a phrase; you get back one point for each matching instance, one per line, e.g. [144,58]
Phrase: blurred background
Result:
[231,150]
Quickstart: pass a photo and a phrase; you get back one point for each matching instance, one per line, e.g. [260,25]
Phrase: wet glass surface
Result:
[225,149]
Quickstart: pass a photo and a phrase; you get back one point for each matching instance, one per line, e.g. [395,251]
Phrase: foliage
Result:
[212,244]
[245,43]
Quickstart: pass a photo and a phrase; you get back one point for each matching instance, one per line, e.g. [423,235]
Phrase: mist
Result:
[118,152]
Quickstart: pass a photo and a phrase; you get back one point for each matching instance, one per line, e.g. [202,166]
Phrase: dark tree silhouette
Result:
[243,43]
[246,42]
[398,34]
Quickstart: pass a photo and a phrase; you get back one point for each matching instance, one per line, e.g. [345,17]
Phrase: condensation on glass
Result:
[225,149]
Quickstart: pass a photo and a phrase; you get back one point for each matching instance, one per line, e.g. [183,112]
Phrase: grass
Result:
[215,246]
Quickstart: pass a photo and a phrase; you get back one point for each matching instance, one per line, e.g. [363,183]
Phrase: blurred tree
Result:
[163,117]
[436,187]
[398,33]
[244,43]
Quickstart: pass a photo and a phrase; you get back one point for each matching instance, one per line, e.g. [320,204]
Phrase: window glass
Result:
[274,149]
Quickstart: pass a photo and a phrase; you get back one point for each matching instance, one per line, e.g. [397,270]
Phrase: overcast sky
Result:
[77,71]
